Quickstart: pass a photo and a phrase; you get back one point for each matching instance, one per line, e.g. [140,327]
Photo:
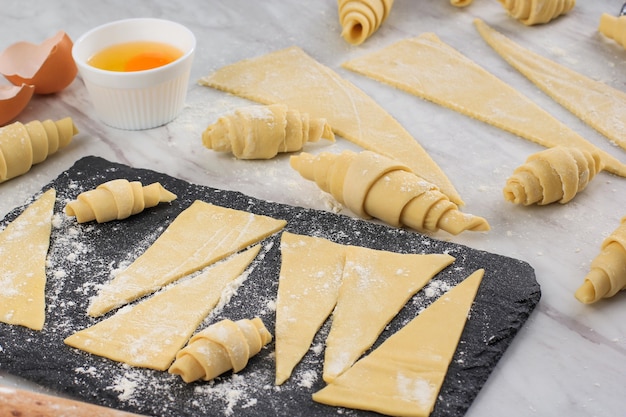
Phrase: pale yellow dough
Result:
[292,77]
[261,132]
[116,200]
[607,275]
[373,185]
[613,27]
[359,19]
[552,175]
[460,3]
[595,103]
[365,287]
[534,12]
[24,145]
[428,68]
[150,333]
[223,346]
[202,234]
[403,376]
[24,246]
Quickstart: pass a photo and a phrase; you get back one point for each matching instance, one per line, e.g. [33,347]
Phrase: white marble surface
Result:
[569,359]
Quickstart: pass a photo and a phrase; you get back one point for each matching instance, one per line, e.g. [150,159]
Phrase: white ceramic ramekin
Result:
[140,99]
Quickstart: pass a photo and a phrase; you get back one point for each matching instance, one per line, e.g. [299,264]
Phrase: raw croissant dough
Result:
[533,12]
[359,19]
[608,269]
[372,185]
[24,145]
[595,103]
[116,200]
[150,333]
[292,77]
[23,249]
[428,68]
[613,27]
[556,174]
[403,376]
[200,235]
[261,132]
[223,346]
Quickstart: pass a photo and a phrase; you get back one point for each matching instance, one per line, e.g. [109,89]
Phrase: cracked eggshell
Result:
[14,99]
[48,66]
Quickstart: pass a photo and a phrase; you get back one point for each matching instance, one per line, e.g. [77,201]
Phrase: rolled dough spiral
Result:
[613,27]
[359,19]
[607,275]
[116,200]
[223,346]
[533,12]
[372,185]
[24,145]
[555,174]
[261,132]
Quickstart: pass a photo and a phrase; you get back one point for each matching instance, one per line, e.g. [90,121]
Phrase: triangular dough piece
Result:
[430,69]
[595,103]
[403,376]
[202,234]
[150,333]
[290,76]
[375,286]
[309,281]
[24,246]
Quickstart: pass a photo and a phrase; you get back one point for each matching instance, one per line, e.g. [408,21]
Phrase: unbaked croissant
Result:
[613,27]
[24,145]
[555,174]
[359,19]
[117,200]
[261,132]
[460,3]
[223,346]
[372,185]
[607,275]
[533,12]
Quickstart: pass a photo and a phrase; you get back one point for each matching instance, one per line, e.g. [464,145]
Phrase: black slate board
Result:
[83,256]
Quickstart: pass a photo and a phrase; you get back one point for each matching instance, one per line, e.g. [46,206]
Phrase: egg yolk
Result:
[135,56]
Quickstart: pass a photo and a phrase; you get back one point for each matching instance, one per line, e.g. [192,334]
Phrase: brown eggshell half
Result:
[13,100]
[48,66]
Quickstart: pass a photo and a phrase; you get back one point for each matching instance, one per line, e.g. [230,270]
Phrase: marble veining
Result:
[569,359]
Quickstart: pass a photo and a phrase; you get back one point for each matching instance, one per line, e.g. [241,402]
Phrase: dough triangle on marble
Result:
[309,280]
[292,77]
[403,376]
[151,332]
[595,103]
[202,234]
[375,286]
[24,247]
[427,67]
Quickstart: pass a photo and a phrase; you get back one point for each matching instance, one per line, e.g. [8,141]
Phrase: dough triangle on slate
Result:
[375,286]
[24,247]
[430,69]
[403,376]
[202,234]
[150,333]
[290,76]
[309,281]
[595,103]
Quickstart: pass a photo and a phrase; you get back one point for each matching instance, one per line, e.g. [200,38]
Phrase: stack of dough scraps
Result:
[429,68]
[597,104]
[117,200]
[607,275]
[359,19]
[24,246]
[291,77]
[555,174]
[24,145]
[613,27]
[372,185]
[261,132]
[533,12]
